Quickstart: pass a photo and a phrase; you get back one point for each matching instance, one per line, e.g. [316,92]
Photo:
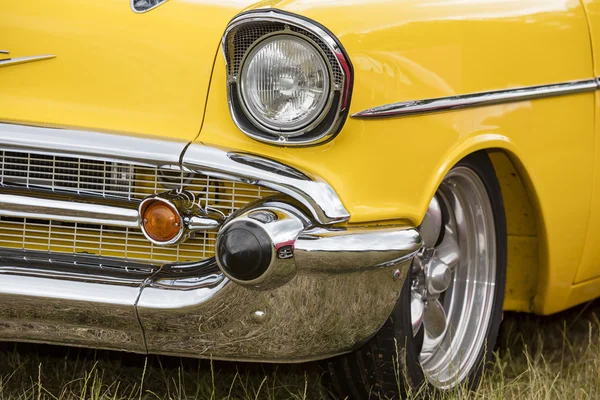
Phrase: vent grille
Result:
[241,38]
[110,179]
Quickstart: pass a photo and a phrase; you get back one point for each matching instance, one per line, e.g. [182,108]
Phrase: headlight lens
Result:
[285,84]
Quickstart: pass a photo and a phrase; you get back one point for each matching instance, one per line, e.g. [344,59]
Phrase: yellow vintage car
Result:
[369,182]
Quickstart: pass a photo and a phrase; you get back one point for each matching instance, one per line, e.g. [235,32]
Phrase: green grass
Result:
[555,357]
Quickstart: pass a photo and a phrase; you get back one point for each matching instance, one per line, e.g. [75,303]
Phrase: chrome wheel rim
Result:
[454,279]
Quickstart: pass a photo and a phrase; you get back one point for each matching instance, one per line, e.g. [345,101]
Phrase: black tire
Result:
[388,365]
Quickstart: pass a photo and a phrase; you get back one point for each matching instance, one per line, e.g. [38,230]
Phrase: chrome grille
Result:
[64,173]
[111,179]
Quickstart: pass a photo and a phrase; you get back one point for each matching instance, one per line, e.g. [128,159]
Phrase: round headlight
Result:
[285,84]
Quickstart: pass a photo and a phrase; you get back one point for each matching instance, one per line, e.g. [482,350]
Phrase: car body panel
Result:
[590,262]
[114,70]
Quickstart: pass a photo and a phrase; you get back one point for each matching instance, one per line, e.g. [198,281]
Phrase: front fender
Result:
[388,169]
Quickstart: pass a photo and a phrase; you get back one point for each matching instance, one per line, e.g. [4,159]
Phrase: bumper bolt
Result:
[259,317]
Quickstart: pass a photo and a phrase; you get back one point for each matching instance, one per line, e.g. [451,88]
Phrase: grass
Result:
[555,357]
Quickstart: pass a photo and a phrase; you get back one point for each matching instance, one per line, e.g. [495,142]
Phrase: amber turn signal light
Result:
[161,221]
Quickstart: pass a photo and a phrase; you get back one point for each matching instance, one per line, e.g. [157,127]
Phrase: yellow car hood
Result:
[114,69]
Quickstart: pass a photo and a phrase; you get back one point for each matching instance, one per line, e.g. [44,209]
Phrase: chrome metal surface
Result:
[432,223]
[55,206]
[454,281]
[4,52]
[142,6]
[356,249]
[131,167]
[216,318]
[283,230]
[23,60]
[315,194]
[135,149]
[208,222]
[417,309]
[248,28]
[74,300]
[187,309]
[438,276]
[478,99]
[259,317]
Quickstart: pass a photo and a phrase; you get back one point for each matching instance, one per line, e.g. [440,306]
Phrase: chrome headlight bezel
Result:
[248,30]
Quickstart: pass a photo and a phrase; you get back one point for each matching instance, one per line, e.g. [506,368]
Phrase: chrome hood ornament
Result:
[141,6]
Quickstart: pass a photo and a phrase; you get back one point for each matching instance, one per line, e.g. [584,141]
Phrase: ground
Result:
[556,357]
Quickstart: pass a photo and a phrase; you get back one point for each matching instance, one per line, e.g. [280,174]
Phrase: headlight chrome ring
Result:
[289,79]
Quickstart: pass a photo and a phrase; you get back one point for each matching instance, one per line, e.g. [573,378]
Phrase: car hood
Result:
[113,69]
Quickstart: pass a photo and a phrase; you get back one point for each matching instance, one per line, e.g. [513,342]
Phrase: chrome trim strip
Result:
[22,60]
[316,195]
[327,250]
[4,51]
[478,99]
[138,149]
[47,205]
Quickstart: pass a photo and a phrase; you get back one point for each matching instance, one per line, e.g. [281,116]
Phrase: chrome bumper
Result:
[345,282]
[340,297]
[328,308]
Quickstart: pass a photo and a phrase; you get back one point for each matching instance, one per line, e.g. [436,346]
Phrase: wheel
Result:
[445,323]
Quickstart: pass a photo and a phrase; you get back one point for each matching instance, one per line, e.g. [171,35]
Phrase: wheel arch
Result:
[527,258]
[525,238]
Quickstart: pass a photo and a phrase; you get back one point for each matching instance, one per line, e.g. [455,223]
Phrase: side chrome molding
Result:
[22,60]
[478,99]
[68,207]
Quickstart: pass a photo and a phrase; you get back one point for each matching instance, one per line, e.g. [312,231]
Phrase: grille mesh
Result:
[119,180]
[241,38]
